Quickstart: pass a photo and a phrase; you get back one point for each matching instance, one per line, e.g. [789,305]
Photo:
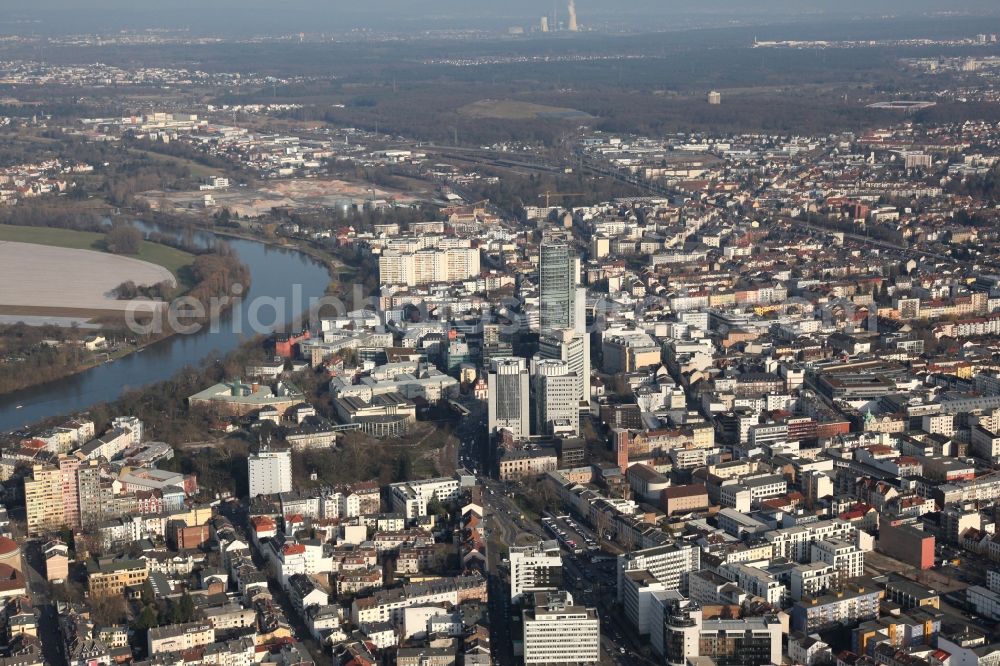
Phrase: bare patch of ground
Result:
[290,193]
[69,281]
[509,109]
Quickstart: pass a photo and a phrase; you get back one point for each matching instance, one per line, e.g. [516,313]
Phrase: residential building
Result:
[845,557]
[670,564]
[178,637]
[108,577]
[857,600]
[687,637]
[270,471]
[556,631]
[389,605]
[535,568]
[427,266]
[520,463]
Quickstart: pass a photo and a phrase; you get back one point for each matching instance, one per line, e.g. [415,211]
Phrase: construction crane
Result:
[548,196]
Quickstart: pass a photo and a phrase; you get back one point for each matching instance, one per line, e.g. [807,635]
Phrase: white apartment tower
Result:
[270,471]
[427,266]
[669,564]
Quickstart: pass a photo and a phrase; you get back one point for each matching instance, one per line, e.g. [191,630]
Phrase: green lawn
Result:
[174,260]
[197,169]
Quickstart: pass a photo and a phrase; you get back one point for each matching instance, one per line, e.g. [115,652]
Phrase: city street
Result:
[591,584]
[38,588]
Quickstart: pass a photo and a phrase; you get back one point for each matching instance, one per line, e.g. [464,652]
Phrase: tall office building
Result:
[536,568]
[556,631]
[557,410]
[270,471]
[566,345]
[509,397]
[562,304]
[558,282]
[669,564]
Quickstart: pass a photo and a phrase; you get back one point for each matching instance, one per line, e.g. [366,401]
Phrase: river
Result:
[275,273]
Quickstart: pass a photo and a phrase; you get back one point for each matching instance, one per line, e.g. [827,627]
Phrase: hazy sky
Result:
[282,16]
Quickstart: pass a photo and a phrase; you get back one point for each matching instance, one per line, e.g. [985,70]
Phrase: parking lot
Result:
[574,537]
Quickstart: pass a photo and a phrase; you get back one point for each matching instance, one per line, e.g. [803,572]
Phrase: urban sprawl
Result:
[751,416]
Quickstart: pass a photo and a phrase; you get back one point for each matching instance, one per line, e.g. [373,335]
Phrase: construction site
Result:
[296,193]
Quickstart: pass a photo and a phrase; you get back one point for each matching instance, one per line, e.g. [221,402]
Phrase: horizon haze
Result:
[263,17]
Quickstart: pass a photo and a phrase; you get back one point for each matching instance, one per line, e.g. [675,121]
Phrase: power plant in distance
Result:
[545,25]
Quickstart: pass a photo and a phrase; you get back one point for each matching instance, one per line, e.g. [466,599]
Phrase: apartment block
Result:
[556,631]
[428,266]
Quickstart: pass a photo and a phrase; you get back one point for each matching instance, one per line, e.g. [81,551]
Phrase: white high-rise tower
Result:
[509,397]
[270,471]
[557,402]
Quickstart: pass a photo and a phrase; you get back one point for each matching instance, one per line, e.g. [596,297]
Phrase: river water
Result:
[285,276]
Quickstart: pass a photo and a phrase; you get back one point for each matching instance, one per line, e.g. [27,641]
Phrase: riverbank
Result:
[331,262]
[63,352]
[280,273]
[206,225]
[333,265]
[97,361]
